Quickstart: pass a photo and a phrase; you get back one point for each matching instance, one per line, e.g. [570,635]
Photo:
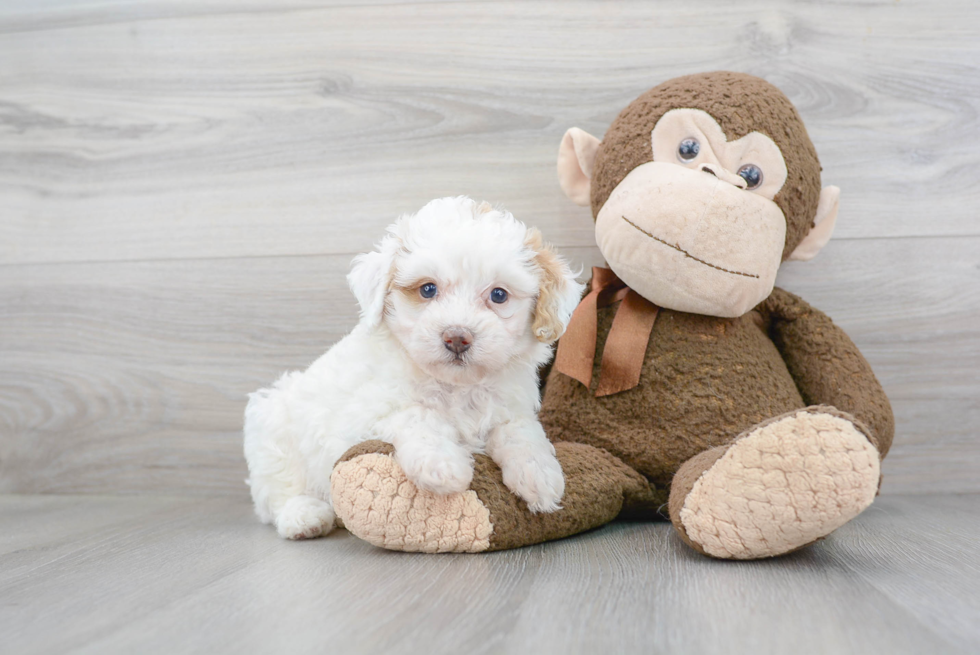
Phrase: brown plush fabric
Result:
[684,481]
[597,488]
[826,365]
[365,447]
[741,104]
[704,381]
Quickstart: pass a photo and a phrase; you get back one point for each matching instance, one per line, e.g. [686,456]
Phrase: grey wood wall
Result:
[183,185]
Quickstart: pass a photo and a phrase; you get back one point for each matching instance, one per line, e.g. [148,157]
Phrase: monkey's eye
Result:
[688,149]
[498,296]
[752,175]
[428,290]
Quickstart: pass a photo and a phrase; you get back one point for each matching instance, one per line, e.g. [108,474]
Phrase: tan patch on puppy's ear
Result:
[557,295]
[484,207]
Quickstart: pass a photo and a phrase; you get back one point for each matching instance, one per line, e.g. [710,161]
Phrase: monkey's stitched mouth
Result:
[687,254]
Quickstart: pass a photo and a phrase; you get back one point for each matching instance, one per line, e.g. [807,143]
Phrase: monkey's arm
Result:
[826,365]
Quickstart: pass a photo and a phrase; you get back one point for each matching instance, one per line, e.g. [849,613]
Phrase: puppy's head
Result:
[465,289]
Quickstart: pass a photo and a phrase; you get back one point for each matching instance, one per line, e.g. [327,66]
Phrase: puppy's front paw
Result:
[537,478]
[439,471]
[304,517]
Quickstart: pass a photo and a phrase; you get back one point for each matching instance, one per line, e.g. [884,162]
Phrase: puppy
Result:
[460,305]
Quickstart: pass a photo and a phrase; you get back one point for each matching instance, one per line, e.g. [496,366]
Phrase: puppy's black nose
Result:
[457,340]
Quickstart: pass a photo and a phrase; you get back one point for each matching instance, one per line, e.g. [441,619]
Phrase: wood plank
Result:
[46,528]
[662,597]
[206,577]
[936,550]
[131,377]
[42,15]
[152,130]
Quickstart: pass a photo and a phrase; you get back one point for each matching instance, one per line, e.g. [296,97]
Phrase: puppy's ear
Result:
[559,293]
[370,278]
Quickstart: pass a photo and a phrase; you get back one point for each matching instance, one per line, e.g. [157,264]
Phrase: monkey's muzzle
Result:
[691,241]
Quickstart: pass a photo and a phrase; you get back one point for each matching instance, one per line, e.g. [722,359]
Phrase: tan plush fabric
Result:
[377,503]
[741,104]
[824,224]
[724,157]
[575,157]
[666,223]
[782,486]
[684,481]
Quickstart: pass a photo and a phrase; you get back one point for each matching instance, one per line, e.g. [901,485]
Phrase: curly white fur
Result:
[395,378]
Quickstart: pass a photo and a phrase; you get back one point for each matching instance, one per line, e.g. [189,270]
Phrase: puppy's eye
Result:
[428,290]
[498,296]
[688,149]
[752,175]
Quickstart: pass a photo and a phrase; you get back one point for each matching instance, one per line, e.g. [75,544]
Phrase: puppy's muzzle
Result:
[457,340]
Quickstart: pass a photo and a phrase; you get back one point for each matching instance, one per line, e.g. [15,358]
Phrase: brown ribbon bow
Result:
[626,345]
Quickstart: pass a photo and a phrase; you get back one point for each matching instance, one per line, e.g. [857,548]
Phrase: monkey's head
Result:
[701,187]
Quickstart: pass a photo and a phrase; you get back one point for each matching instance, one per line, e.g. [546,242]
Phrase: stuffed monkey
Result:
[686,385]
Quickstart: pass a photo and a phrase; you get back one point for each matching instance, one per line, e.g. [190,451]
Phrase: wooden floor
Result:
[183,185]
[175,575]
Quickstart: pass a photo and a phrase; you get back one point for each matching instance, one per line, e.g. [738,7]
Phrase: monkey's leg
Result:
[377,502]
[781,485]
[826,365]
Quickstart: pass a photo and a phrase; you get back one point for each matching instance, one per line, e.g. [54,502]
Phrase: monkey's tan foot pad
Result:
[381,506]
[781,486]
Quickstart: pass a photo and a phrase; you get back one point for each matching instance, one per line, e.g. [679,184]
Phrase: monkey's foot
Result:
[378,503]
[780,486]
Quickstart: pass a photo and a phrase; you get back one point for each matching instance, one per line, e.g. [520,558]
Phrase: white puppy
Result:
[460,305]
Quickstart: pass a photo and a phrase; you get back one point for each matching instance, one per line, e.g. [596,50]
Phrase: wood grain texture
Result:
[169,130]
[182,186]
[166,575]
[132,377]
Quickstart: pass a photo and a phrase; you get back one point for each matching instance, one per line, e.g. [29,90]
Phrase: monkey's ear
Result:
[823,226]
[575,158]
